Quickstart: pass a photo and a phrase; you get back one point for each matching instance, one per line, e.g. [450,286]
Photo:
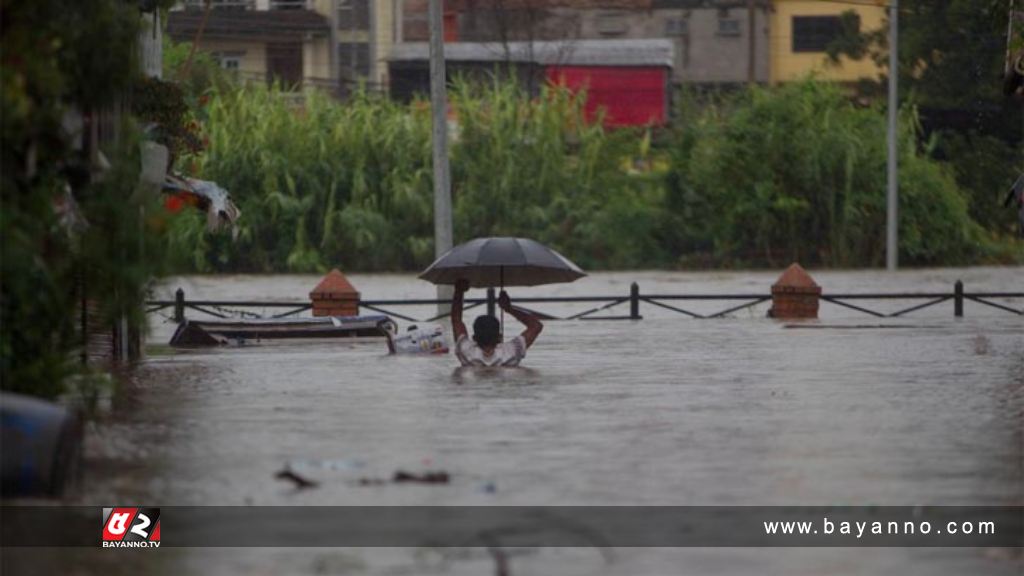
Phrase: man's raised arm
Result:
[532,323]
[458,328]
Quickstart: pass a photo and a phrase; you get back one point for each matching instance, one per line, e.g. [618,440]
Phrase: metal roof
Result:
[632,52]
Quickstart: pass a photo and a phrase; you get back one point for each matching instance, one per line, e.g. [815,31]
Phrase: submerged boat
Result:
[192,333]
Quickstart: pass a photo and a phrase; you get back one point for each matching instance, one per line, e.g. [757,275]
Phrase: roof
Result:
[632,52]
[334,285]
[235,24]
[795,277]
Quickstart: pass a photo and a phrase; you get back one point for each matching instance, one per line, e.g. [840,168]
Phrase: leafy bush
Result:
[330,184]
[799,173]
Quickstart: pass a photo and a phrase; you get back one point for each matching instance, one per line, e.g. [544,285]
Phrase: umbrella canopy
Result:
[488,262]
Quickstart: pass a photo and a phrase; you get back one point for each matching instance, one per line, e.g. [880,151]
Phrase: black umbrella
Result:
[488,262]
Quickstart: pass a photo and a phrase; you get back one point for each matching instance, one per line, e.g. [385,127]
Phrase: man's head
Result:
[486,331]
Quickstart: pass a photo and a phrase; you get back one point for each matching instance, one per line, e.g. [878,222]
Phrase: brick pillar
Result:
[335,296]
[795,294]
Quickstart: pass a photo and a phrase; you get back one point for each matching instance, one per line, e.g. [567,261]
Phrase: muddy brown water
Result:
[920,410]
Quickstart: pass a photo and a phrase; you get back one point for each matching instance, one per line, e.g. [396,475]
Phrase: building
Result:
[366,31]
[716,42]
[341,44]
[333,44]
[628,79]
[803,29]
[266,40]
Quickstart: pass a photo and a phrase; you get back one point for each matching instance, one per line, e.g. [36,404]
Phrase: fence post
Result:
[490,301]
[634,302]
[179,306]
[958,299]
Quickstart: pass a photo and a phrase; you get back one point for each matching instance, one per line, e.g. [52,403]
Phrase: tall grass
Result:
[319,185]
[538,168]
[762,178]
[331,184]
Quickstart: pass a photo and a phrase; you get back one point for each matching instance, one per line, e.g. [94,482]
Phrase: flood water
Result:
[925,409]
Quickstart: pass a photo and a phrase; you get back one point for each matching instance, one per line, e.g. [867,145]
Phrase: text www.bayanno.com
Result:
[859,529]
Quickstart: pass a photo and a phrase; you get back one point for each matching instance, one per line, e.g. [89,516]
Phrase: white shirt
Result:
[505,354]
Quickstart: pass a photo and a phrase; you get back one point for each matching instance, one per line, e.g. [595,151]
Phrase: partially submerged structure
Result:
[198,333]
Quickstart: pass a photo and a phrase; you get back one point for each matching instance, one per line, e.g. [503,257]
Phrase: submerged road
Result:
[923,410]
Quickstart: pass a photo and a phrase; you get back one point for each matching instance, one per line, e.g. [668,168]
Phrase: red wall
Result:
[630,96]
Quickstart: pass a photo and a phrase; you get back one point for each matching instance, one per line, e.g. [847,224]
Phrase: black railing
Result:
[236,308]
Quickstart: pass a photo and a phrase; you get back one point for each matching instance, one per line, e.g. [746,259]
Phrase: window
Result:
[676,27]
[229,60]
[354,59]
[611,24]
[353,15]
[287,4]
[221,4]
[815,33]
[728,27]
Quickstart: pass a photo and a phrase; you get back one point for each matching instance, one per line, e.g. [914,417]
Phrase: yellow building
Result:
[802,29]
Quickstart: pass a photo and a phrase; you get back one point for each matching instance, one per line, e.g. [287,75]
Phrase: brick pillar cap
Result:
[794,279]
[334,285]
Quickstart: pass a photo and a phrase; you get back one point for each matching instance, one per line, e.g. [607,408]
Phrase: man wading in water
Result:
[486,347]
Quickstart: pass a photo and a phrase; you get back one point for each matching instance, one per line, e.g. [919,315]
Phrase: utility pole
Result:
[892,197]
[751,43]
[332,57]
[439,107]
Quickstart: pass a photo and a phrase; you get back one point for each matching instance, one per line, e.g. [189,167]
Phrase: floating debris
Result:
[404,477]
[438,477]
[299,481]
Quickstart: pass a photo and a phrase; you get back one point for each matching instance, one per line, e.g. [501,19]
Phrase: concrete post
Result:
[439,109]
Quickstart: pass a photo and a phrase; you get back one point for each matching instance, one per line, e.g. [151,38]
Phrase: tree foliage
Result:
[952,59]
[65,223]
[799,174]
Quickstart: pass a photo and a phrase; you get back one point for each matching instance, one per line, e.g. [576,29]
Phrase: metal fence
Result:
[602,304]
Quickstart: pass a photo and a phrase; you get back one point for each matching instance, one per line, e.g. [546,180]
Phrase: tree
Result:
[70,216]
[952,60]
